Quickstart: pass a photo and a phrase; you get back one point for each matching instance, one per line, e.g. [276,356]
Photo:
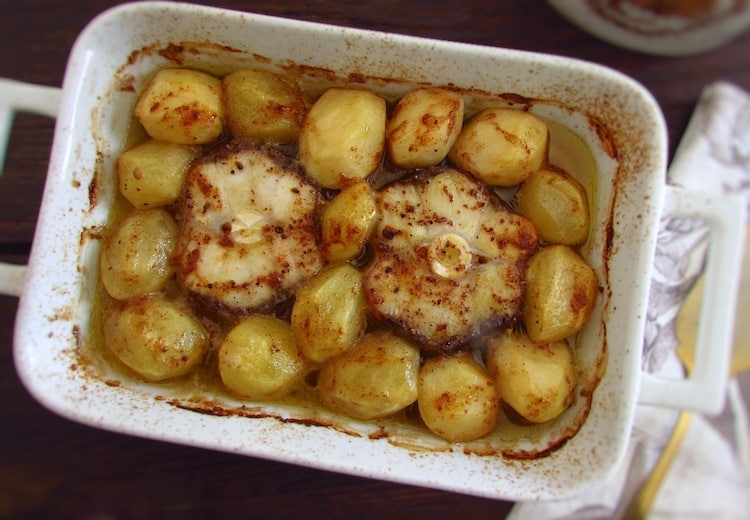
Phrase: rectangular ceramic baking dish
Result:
[599,118]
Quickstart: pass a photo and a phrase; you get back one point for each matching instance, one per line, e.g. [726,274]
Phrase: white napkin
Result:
[710,477]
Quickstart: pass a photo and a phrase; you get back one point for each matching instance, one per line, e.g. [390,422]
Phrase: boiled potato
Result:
[263,105]
[151,174]
[560,294]
[536,380]
[347,222]
[328,315]
[457,398]
[259,359]
[182,106]
[135,258]
[423,127]
[343,136]
[156,338]
[501,146]
[375,378]
[556,203]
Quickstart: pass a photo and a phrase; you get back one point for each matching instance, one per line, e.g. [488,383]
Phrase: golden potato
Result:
[560,294]
[457,398]
[536,380]
[328,315]
[557,205]
[135,257]
[501,146]
[375,378]
[151,174]
[347,222]
[259,359]
[423,127]
[182,106]
[156,338]
[263,105]
[343,136]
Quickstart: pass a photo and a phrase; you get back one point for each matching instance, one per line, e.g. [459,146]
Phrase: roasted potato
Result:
[423,127]
[560,294]
[258,359]
[343,136]
[263,105]
[328,315]
[151,174]
[375,378]
[347,222]
[457,398]
[501,146]
[556,203]
[182,106]
[154,337]
[536,380]
[135,257]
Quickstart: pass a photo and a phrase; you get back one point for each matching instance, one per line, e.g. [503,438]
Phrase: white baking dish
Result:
[618,128]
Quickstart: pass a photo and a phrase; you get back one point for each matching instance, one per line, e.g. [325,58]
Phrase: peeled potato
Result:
[423,127]
[536,380]
[328,315]
[259,359]
[556,203]
[135,258]
[501,146]
[343,136]
[560,294]
[263,105]
[151,174]
[156,338]
[375,378]
[347,222]
[182,106]
[457,399]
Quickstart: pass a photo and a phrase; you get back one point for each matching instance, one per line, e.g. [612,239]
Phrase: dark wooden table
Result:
[53,468]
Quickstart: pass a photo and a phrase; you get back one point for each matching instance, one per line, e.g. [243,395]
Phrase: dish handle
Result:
[17,96]
[705,389]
